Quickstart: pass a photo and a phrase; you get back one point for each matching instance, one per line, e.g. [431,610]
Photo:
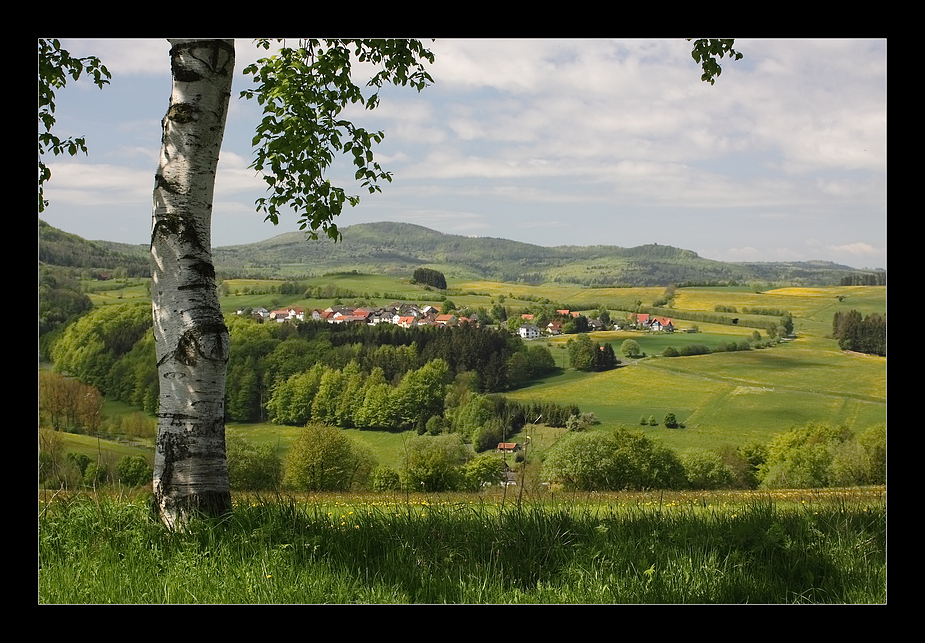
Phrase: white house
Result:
[528,331]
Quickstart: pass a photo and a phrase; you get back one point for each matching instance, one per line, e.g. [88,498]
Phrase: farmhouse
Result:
[508,447]
[529,331]
[444,320]
[661,323]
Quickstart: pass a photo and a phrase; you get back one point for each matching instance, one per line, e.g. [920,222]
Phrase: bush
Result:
[434,463]
[622,459]
[482,470]
[384,478]
[324,458]
[134,471]
[694,349]
[706,470]
[744,462]
[96,474]
[802,457]
[252,467]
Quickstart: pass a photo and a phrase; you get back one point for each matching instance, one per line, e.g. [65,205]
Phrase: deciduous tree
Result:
[303,91]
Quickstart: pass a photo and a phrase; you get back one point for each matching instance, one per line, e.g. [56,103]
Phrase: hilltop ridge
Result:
[399,248]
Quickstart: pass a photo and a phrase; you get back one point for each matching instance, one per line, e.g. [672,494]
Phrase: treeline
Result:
[112,349]
[426,399]
[867,279]
[59,248]
[817,455]
[776,312]
[861,334]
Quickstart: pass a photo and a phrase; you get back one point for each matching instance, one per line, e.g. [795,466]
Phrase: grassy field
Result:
[616,549]
[735,397]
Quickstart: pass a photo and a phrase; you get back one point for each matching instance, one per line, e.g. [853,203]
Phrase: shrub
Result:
[706,470]
[433,462]
[96,474]
[79,460]
[621,459]
[744,462]
[484,469]
[802,457]
[134,471]
[383,478]
[694,349]
[252,467]
[324,458]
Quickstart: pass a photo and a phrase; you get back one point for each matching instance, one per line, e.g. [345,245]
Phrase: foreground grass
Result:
[472,549]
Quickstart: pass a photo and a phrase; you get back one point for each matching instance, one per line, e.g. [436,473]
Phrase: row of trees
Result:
[324,458]
[861,334]
[349,397]
[427,399]
[811,456]
[67,404]
[327,459]
[877,278]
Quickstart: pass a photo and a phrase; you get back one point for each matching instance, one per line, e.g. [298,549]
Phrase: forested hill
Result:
[59,248]
[399,248]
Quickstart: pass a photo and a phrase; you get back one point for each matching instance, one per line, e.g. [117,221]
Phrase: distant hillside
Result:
[59,248]
[399,248]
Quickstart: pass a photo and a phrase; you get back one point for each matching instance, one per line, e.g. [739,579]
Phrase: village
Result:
[408,315]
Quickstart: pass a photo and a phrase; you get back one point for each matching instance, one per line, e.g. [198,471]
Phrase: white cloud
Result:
[859,249]
[95,184]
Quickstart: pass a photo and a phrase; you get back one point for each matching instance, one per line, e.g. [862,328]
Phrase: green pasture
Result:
[731,398]
[116,291]
[97,447]
[576,296]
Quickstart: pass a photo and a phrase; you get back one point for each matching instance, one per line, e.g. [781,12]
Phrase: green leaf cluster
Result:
[303,91]
[55,65]
[706,51]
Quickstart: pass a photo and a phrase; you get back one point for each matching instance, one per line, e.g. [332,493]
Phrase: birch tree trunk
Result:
[190,469]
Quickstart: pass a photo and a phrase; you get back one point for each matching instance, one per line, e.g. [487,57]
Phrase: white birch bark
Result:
[190,469]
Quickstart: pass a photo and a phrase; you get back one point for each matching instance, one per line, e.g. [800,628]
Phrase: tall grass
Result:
[286,550]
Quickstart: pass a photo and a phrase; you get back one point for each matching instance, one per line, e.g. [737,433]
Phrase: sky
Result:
[545,141]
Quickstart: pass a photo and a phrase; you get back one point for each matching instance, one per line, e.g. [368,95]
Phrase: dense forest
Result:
[362,376]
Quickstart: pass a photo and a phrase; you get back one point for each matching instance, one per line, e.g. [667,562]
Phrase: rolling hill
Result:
[398,248]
